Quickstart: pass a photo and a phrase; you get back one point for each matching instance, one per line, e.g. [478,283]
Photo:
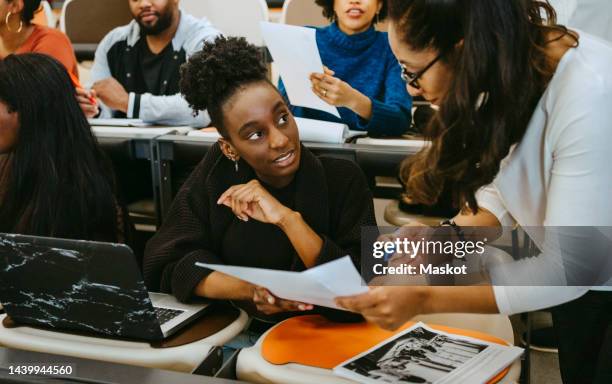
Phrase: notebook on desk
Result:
[84,286]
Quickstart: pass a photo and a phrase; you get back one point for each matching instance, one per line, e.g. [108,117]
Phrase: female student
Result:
[258,198]
[363,76]
[54,179]
[523,134]
[19,35]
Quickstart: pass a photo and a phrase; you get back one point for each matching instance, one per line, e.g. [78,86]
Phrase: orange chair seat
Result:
[315,341]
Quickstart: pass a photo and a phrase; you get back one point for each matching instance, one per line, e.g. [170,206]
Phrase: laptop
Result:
[85,286]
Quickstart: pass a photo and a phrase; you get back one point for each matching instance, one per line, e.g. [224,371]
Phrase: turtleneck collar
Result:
[356,42]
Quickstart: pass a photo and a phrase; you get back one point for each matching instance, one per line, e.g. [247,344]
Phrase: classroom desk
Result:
[174,152]
[125,144]
[182,358]
[252,367]
[93,371]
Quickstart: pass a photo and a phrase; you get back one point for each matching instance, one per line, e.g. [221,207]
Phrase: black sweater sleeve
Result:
[351,208]
[183,240]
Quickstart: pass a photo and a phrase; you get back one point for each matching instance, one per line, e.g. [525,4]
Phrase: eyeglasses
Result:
[412,78]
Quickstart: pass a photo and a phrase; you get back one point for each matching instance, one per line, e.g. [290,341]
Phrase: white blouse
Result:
[560,174]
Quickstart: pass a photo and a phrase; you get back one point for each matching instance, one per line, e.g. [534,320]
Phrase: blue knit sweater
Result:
[366,62]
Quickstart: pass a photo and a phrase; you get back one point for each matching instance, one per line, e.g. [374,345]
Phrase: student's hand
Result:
[387,307]
[252,200]
[112,93]
[333,90]
[87,102]
[269,304]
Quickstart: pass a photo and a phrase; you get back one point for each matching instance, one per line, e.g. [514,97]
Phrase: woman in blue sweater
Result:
[363,77]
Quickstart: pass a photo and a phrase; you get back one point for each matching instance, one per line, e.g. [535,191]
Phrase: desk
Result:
[183,358]
[252,367]
[135,145]
[185,152]
[97,371]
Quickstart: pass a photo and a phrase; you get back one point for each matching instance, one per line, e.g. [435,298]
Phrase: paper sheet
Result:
[417,144]
[295,53]
[104,130]
[316,131]
[318,285]
[118,123]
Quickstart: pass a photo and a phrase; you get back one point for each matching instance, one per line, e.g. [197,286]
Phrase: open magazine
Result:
[423,355]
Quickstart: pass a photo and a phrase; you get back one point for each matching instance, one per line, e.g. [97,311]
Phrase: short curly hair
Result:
[213,75]
[328,9]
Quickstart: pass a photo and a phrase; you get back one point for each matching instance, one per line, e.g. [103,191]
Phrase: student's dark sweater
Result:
[331,194]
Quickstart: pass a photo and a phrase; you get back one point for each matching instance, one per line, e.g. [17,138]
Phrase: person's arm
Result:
[392,115]
[334,91]
[183,239]
[253,201]
[100,69]
[171,110]
[390,307]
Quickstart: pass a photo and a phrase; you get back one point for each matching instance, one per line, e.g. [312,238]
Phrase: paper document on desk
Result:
[410,143]
[316,131]
[104,130]
[318,285]
[295,53]
[319,131]
[118,123]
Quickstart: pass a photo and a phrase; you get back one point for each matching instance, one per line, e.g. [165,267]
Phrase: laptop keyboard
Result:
[166,314]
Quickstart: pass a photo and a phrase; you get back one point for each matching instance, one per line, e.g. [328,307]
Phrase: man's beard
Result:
[164,20]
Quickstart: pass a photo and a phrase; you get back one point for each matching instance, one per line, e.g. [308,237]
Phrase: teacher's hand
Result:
[252,200]
[269,304]
[387,307]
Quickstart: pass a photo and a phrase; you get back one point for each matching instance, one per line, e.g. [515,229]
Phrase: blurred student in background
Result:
[19,35]
[136,68]
[54,179]
[362,77]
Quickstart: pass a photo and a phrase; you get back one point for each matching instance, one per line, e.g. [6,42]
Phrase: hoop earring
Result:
[8,28]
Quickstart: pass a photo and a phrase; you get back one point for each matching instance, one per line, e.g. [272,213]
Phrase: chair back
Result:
[231,17]
[88,21]
[303,12]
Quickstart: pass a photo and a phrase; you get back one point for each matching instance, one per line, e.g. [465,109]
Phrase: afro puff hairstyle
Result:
[328,9]
[213,75]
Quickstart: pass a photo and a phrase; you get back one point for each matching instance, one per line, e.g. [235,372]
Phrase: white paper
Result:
[211,134]
[140,131]
[317,286]
[411,143]
[118,123]
[316,131]
[433,356]
[296,55]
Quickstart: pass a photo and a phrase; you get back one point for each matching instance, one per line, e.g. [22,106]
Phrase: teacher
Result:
[522,135]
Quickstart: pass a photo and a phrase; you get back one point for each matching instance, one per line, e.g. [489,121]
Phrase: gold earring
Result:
[8,28]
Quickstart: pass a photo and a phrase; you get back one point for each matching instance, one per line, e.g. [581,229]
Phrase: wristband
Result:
[458,231]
